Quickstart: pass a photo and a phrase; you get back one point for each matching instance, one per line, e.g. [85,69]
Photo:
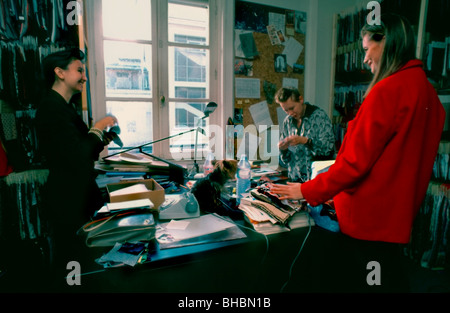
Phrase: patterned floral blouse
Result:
[316,125]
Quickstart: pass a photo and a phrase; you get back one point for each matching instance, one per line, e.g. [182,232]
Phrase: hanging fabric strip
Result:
[26,187]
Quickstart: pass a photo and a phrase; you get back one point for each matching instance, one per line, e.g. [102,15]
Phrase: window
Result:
[153,70]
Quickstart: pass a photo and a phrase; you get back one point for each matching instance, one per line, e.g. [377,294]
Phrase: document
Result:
[278,21]
[179,225]
[200,230]
[292,50]
[290,82]
[248,88]
[132,204]
[260,114]
[193,227]
[126,205]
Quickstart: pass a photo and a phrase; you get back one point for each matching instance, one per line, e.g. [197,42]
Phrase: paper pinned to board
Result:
[290,82]
[248,88]
[292,50]
[261,114]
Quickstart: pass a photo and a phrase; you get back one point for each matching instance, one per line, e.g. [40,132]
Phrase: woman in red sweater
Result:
[383,168]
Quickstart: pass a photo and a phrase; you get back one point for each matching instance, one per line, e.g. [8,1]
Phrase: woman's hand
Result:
[107,121]
[292,141]
[290,191]
[284,144]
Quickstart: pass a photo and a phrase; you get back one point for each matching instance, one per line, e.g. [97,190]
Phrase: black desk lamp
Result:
[210,107]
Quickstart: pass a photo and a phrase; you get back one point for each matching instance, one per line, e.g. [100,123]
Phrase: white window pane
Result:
[127,19]
[188,68]
[188,24]
[135,121]
[127,69]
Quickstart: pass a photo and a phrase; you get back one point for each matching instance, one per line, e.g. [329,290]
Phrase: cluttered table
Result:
[193,251]
[256,263]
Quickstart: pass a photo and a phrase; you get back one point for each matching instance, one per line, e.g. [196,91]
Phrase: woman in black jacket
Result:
[69,149]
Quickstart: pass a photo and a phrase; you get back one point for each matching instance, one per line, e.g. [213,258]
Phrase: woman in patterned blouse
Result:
[306,134]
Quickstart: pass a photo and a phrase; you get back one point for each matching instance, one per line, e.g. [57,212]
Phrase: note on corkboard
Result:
[269,50]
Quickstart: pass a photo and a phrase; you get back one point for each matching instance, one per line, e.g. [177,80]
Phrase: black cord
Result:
[249,228]
[298,254]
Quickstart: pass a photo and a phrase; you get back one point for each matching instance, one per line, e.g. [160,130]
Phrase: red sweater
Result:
[5,167]
[383,168]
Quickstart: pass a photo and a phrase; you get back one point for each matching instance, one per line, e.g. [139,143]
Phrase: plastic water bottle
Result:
[208,165]
[243,176]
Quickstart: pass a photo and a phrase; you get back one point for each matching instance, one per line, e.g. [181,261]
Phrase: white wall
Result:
[324,36]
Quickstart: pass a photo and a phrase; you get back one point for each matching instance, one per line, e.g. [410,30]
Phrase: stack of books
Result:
[130,162]
[267,214]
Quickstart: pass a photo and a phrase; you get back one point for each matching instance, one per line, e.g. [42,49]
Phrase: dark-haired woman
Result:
[69,149]
[383,168]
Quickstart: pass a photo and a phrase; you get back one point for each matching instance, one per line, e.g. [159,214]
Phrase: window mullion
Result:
[96,61]
[161,91]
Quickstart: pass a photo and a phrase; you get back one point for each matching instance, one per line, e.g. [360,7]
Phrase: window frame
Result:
[220,77]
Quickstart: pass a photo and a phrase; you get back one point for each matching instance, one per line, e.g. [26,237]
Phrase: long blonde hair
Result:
[399,45]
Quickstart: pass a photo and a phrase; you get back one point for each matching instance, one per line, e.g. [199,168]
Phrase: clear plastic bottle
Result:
[243,176]
[208,165]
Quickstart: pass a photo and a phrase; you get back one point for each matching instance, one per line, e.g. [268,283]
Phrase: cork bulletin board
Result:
[269,50]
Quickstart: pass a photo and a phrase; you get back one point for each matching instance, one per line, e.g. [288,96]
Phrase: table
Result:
[251,264]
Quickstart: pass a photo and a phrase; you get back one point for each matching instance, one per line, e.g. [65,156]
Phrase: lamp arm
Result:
[149,143]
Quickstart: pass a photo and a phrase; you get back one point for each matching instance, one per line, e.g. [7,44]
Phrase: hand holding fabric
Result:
[290,191]
[107,121]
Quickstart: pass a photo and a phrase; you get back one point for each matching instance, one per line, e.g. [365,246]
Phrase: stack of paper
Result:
[130,162]
[145,204]
[203,229]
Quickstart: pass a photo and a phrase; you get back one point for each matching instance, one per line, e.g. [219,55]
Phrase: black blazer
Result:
[69,152]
